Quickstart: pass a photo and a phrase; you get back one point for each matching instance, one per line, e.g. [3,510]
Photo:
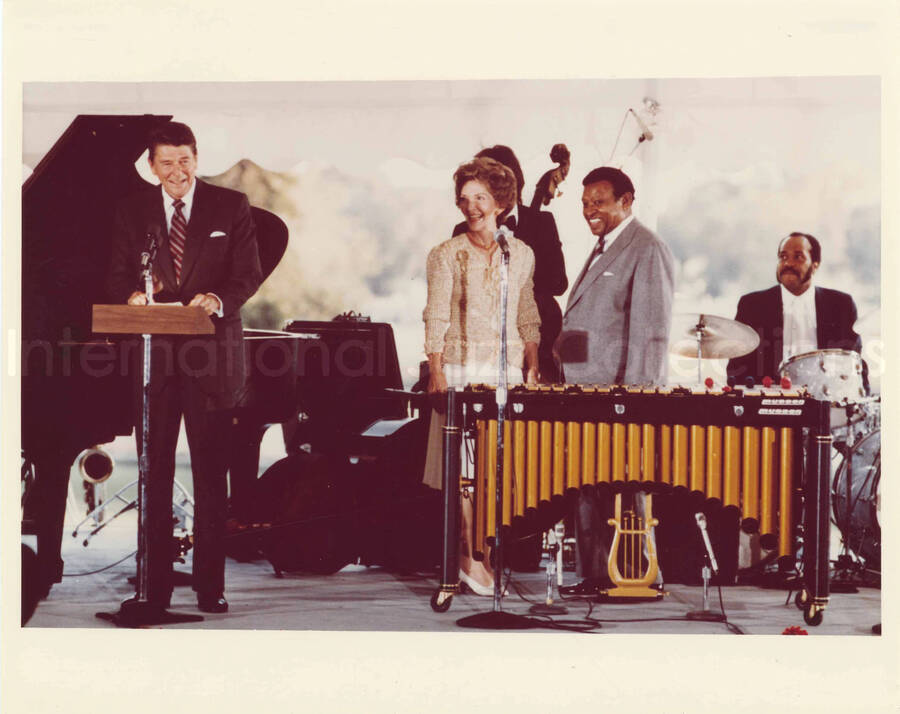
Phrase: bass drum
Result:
[857,513]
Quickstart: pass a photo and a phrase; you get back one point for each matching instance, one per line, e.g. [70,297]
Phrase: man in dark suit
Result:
[789,318]
[207,257]
[615,331]
[537,229]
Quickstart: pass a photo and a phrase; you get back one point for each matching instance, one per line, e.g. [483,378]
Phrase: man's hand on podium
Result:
[209,302]
[140,298]
[137,298]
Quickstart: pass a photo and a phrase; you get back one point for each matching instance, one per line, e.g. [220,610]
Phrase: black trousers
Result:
[45,505]
[208,430]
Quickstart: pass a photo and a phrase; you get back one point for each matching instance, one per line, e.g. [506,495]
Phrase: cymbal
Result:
[720,338]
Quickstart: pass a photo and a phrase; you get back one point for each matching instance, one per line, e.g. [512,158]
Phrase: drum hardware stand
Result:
[847,572]
[139,611]
[710,567]
[698,331]
[554,573]
[179,503]
[496,619]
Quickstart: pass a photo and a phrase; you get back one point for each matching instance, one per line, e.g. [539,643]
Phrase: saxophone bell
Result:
[95,465]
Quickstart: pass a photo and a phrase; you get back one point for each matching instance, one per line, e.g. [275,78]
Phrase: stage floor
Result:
[360,598]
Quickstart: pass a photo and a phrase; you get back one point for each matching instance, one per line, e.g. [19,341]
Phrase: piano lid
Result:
[68,208]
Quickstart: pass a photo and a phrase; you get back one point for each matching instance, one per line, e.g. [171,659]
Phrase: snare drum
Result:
[830,375]
[855,494]
[833,376]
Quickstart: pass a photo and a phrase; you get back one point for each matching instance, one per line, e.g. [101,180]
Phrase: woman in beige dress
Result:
[462,318]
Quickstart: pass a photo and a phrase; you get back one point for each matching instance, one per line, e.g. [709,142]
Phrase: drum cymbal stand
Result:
[699,333]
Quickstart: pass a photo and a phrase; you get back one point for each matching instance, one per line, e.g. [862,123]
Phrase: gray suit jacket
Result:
[617,320]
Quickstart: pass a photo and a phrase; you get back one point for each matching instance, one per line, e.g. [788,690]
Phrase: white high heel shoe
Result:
[475,586]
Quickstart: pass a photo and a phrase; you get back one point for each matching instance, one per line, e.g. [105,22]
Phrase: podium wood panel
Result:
[158,319]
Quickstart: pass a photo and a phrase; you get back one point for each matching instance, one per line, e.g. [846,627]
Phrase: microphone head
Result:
[153,235]
[502,236]
[701,519]
[646,134]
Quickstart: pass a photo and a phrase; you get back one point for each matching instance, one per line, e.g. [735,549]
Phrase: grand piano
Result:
[76,388]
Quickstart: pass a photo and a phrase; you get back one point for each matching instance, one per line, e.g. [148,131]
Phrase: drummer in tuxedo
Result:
[207,256]
[793,317]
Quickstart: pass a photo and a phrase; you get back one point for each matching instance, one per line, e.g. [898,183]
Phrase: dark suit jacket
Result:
[762,310]
[537,229]
[220,257]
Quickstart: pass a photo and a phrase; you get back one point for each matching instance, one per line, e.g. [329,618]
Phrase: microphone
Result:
[502,236]
[646,134]
[701,523]
[152,243]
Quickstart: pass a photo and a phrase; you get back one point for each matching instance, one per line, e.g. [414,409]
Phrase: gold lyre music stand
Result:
[631,534]
[147,320]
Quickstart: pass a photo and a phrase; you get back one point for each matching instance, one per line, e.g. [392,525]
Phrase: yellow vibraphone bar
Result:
[764,454]
[751,468]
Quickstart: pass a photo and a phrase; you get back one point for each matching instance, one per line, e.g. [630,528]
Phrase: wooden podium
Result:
[156,319]
[147,320]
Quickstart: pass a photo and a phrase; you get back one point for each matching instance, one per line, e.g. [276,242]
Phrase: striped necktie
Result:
[598,251]
[177,237]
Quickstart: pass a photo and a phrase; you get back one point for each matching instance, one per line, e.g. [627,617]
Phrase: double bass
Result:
[549,271]
[547,187]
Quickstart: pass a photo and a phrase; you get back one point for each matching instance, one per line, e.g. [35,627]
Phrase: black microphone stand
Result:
[139,611]
[709,566]
[496,619]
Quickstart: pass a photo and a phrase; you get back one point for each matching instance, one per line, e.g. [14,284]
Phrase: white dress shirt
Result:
[188,199]
[799,315]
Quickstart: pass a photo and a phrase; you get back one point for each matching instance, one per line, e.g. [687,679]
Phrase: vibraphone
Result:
[763,454]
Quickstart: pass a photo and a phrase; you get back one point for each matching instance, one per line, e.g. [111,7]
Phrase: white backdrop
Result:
[733,166]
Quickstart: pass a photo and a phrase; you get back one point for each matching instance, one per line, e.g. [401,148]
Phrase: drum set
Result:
[831,375]
[836,376]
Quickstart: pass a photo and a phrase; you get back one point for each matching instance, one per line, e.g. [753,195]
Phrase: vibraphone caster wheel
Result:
[441,600]
[800,599]
[813,615]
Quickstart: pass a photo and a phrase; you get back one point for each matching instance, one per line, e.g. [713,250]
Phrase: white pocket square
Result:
[216,234]
[607,274]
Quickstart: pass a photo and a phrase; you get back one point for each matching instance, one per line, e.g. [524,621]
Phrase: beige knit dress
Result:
[462,320]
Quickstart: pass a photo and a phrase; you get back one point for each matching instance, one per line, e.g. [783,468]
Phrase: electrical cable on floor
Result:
[100,570]
[734,629]
[590,624]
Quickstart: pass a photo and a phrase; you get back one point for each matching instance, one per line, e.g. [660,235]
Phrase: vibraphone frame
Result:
[677,406]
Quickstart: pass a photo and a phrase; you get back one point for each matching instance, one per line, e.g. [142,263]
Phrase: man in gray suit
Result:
[615,331]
